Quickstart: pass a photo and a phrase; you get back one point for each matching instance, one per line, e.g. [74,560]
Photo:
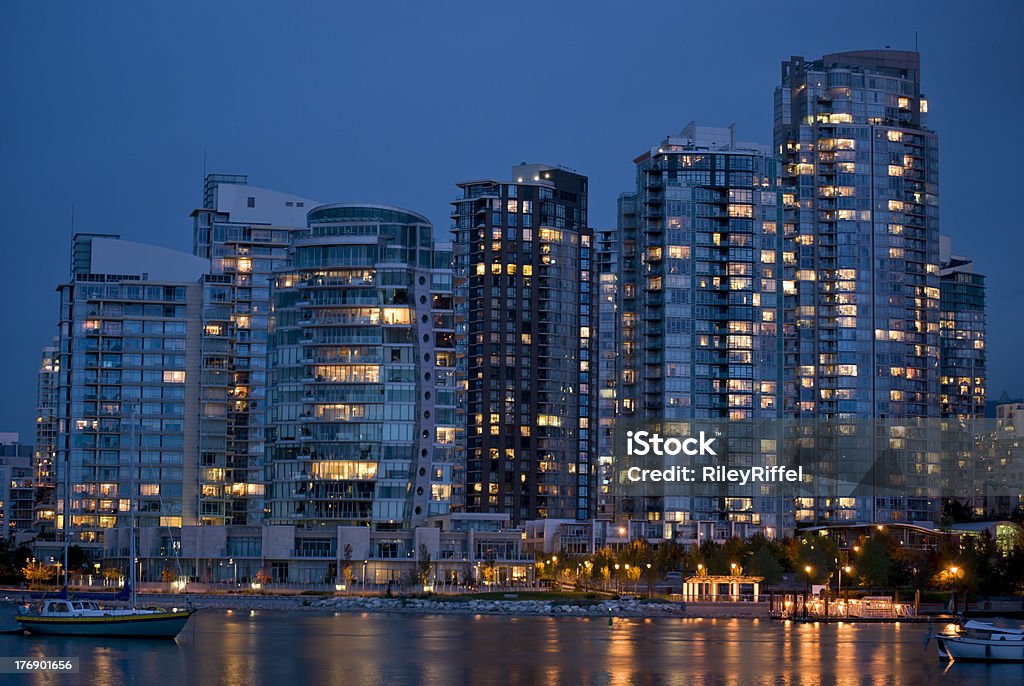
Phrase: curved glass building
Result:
[362,397]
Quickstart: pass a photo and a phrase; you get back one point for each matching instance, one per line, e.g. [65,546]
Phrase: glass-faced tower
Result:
[362,387]
[862,170]
[526,297]
[704,274]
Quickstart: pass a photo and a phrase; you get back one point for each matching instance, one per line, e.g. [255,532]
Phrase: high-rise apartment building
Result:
[862,165]
[526,294]
[702,287]
[244,231]
[861,168]
[127,388]
[962,336]
[608,350]
[362,382]
[703,280]
[46,439]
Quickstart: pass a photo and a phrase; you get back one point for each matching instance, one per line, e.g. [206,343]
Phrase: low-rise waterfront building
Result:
[458,548]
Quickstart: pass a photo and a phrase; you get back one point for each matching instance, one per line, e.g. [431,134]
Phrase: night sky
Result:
[109,107]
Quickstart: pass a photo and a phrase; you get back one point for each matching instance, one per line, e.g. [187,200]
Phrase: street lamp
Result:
[807,587]
[839,592]
[957,574]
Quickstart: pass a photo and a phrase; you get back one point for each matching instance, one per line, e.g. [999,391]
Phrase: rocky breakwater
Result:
[544,608]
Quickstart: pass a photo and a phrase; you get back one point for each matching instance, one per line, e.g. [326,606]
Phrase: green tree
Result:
[873,566]
[764,563]
[814,551]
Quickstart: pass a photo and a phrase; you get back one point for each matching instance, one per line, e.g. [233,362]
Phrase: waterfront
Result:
[276,647]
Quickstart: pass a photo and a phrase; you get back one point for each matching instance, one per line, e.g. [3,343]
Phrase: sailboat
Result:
[67,617]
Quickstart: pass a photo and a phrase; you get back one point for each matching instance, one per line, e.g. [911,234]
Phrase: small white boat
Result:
[86,618]
[981,641]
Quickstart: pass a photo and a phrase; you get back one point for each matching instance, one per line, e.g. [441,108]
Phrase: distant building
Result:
[17,489]
[609,349]
[526,293]
[962,336]
[47,425]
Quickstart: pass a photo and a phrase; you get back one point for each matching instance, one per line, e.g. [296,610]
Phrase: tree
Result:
[37,574]
[346,567]
[12,560]
[873,564]
[424,564]
[490,570]
[764,563]
[817,552]
[76,557]
[603,564]
[633,573]
[112,574]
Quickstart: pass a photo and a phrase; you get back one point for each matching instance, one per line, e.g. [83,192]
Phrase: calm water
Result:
[288,649]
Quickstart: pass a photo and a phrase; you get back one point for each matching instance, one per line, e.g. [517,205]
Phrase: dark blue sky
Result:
[109,107]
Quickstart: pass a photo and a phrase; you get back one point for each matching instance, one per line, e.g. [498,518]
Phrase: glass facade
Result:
[243,251]
[361,421]
[703,283]
[962,336]
[861,168]
[128,368]
[524,265]
[44,469]
[608,350]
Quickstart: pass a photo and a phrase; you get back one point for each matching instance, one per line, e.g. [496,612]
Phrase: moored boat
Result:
[86,618]
[981,641]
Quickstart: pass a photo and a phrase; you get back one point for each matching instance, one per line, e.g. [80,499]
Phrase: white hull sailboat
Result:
[981,642]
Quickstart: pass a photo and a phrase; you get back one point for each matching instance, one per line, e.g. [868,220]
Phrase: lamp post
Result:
[807,587]
[364,576]
[839,591]
[957,574]
[618,583]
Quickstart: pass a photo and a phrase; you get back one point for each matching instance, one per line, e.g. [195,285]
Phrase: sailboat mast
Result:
[67,515]
[131,512]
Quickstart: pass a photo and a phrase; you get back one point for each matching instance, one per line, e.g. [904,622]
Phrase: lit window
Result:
[176,376]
